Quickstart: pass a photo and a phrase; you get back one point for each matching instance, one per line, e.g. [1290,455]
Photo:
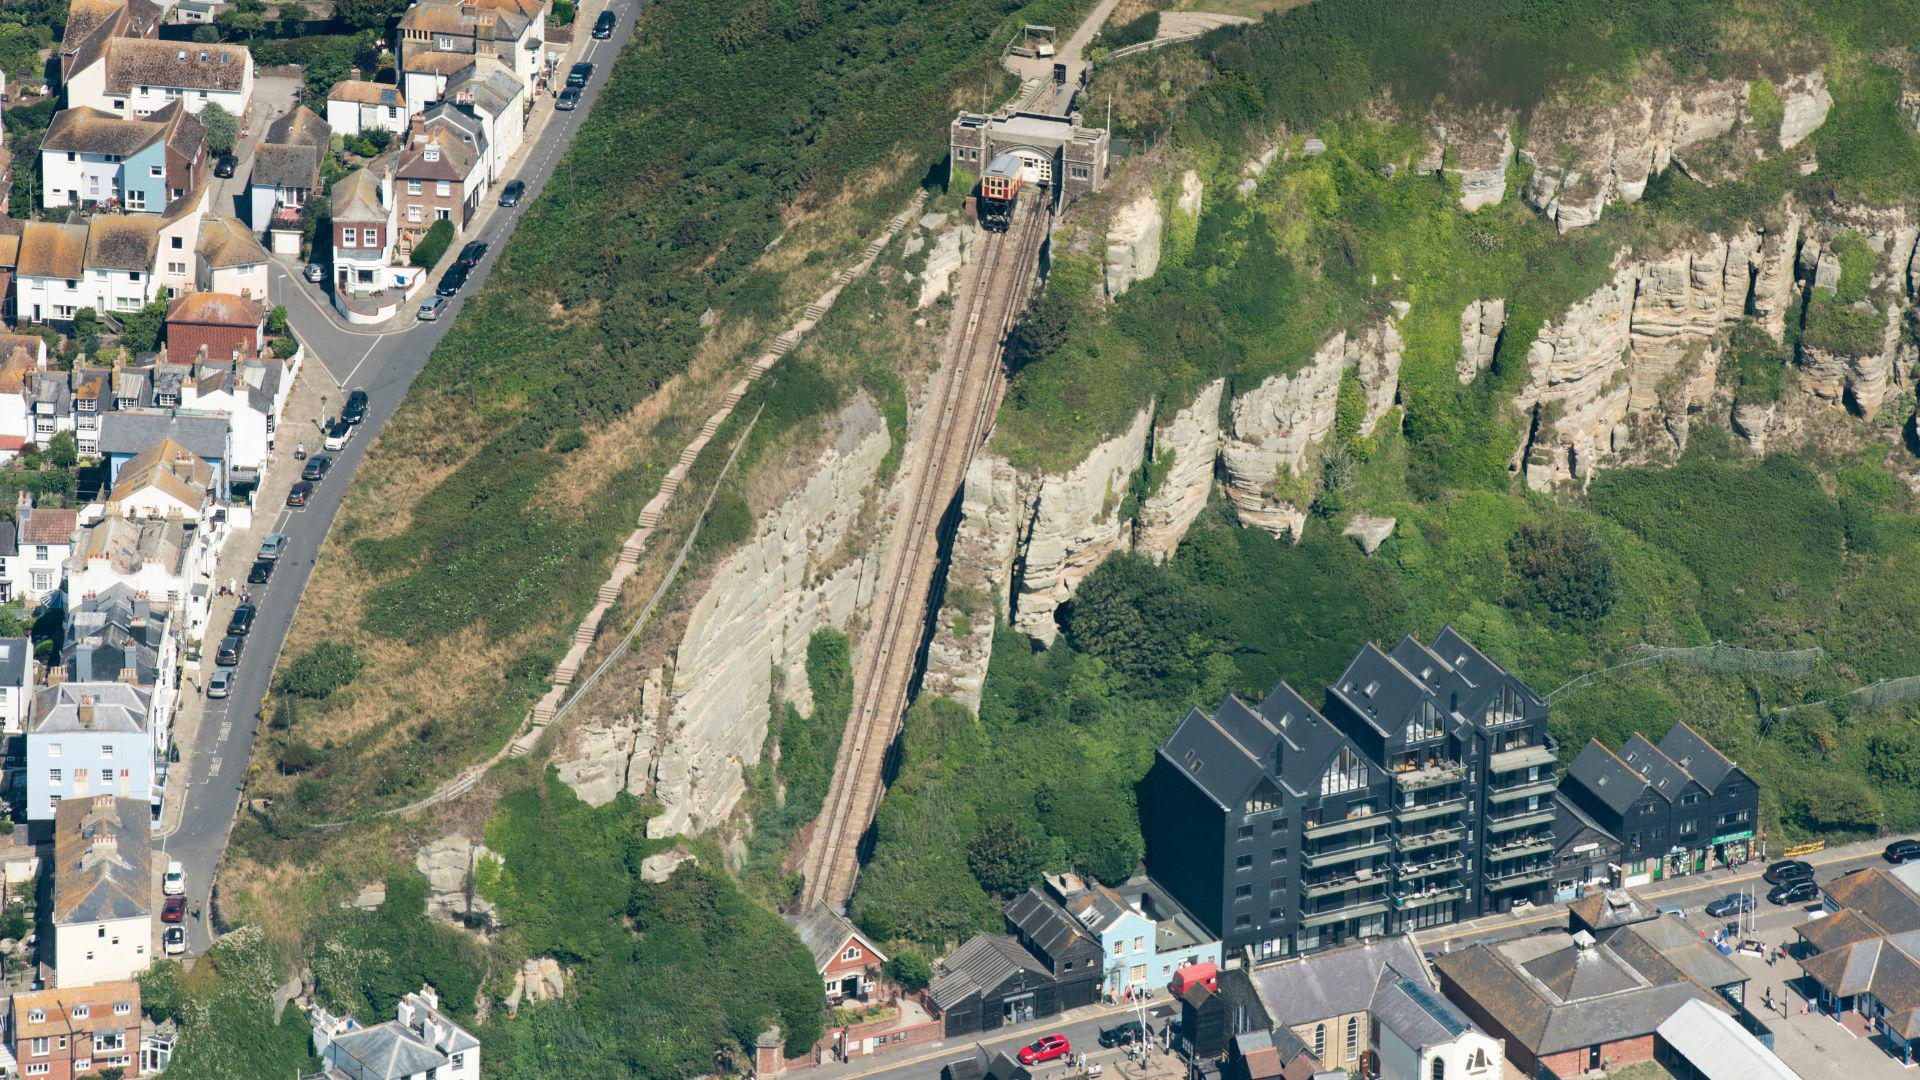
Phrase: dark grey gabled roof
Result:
[1221,766]
[1379,690]
[1606,777]
[1660,771]
[1696,755]
[1571,822]
[1419,1015]
[16,659]
[1046,924]
[982,964]
[130,432]
[1308,739]
[1336,982]
[825,932]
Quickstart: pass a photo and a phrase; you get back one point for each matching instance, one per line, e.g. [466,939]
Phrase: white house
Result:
[102,888]
[46,539]
[121,637]
[420,1042]
[229,259]
[497,96]
[86,739]
[50,278]
[242,395]
[175,261]
[356,106]
[158,558]
[435,36]
[1419,1035]
[135,76]
[16,682]
[89,156]
[121,250]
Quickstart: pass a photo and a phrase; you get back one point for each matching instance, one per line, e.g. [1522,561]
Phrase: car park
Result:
[354,409]
[337,435]
[176,941]
[1787,870]
[299,493]
[260,572]
[568,100]
[603,26]
[580,73]
[317,468]
[1045,1048]
[430,311]
[242,620]
[1901,851]
[174,909]
[470,255]
[228,654]
[1731,904]
[220,683]
[1794,892]
[513,193]
[452,281]
[225,166]
[1123,1034]
[273,545]
[175,881]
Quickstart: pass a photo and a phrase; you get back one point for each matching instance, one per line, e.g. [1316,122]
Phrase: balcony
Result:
[1406,814]
[1344,855]
[1427,839]
[1520,821]
[1403,901]
[1440,772]
[1525,876]
[1343,883]
[1543,786]
[1349,824]
[1410,870]
[1512,760]
[1342,914]
[1531,845]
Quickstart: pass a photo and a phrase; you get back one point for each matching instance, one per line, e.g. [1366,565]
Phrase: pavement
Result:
[216,752]
[1081,1026]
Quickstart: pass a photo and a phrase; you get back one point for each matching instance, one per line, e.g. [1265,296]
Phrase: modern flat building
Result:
[1421,795]
[1677,808]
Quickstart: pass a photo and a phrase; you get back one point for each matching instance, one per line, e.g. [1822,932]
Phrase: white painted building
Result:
[421,1041]
[16,683]
[136,76]
[46,540]
[1419,1035]
[102,891]
[356,106]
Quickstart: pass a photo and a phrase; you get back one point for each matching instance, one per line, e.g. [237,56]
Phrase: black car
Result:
[452,280]
[1787,870]
[1793,892]
[603,26]
[225,166]
[261,571]
[580,73]
[241,622]
[470,255]
[1731,904]
[317,467]
[228,654]
[513,192]
[1903,851]
[299,493]
[355,409]
[568,100]
[1123,1034]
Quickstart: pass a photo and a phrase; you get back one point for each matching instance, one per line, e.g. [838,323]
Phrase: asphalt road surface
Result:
[383,362]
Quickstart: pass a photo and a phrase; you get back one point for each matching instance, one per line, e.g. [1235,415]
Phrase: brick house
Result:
[61,1034]
[848,962]
[228,327]
[437,176]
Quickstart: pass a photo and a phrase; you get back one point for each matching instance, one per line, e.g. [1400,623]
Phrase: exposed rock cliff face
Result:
[1480,326]
[1805,104]
[1477,149]
[950,249]
[607,756]
[765,602]
[1069,523]
[1275,425]
[1192,440]
[1133,243]
[977,576]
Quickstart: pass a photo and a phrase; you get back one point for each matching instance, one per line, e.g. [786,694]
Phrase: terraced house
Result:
[134,77]
[438,38]
[90,157]
[1419,795]
[1676,808]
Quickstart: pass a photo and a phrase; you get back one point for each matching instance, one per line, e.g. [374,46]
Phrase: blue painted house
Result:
[1145,935]
[91,157]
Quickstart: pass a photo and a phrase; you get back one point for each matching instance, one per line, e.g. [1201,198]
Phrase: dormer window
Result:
[432,152]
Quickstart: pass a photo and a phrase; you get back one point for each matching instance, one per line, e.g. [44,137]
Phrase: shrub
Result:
[223,128]
[563,13]
[277,320]
[433,245]
[1004,856]
[1842,328]
[321,670]
[910,970]
[1134,31]
[1758,365]
[1564,573]
[283,348]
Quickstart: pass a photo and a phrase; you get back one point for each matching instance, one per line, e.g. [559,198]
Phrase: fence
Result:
[1719,656]
[1879,692]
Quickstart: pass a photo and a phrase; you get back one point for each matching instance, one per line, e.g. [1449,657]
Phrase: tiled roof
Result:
[286,167]
[1695,754]
[1878,895]
[87,130]
[130,432]
[1338,981]
[825,932]
[123,242]
[1838,930]
[301,127]
[452,18]
[102,860]
[1888,968]
[225,242]
[436,63]
[356,197]
[11,229]
[388,1051]
[103,1003]
[217,309]
[53,250]
[1046,924]
[49,525]
[367,93]
[1609,779]
[189,65]
[90,707]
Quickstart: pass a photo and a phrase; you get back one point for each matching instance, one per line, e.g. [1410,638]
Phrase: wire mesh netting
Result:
[1719,656]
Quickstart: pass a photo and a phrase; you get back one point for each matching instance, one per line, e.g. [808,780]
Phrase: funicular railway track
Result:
[965,394]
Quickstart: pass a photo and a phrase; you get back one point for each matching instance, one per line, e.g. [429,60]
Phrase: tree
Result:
[1004,856]
[63,450]
[368,14]
[428,251]
[86,330]
[140,330]
[1043,329]
[910,970]
[1564,573]
[223,128]
[1138,618]
[277,320]
[562,13]
[294,14]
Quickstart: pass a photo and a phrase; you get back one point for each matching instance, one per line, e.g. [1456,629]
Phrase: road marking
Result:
[348,381]
[226,732]
[213,770]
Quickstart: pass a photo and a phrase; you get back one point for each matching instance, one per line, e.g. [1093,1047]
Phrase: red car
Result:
[1046,1048]
[174,910]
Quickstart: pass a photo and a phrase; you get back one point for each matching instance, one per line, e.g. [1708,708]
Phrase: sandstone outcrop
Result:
[1133,243]
[977,574]
[608,755]
[1368,531]
[1191,188]
[540,978]
[1192,440]
[449,865]
[660,867]
[1753,421]
[1480,325]
[1476,150]
[1805,103]
[1069,523]
[766,600]
[949,254]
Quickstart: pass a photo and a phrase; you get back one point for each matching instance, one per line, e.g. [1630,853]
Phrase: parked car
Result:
[580,73]
[318,466]
[1045,1048]
[513,193]
[450,283]
[175,883]
[568,100]
[603,26]
[174,909]
[176,941]
[1903,851]
[1123,1034]
[228,654]
[242,620]
[225,166]
[261,572]
[354,410]
[1793,892]
[1788,870]
[430,311]
[299,493]
[273,545]
[1731,904]
[338,435]
[470,255]
[220,684]
[316,273]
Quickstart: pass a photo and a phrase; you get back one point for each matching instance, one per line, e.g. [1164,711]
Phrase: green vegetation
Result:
[321,670]
[433,245]
[1756,364]
[1564,572]
[1843,329]
[224,1007]
[223,128]
[787,790]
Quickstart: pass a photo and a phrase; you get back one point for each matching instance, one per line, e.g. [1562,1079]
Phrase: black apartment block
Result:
[1676,808]
[1420,793]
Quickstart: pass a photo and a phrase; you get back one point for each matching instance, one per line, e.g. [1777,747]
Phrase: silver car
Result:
[430,311]
[273,545]
[221,684]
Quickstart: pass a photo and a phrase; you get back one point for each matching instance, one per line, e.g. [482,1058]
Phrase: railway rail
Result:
[966,392]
